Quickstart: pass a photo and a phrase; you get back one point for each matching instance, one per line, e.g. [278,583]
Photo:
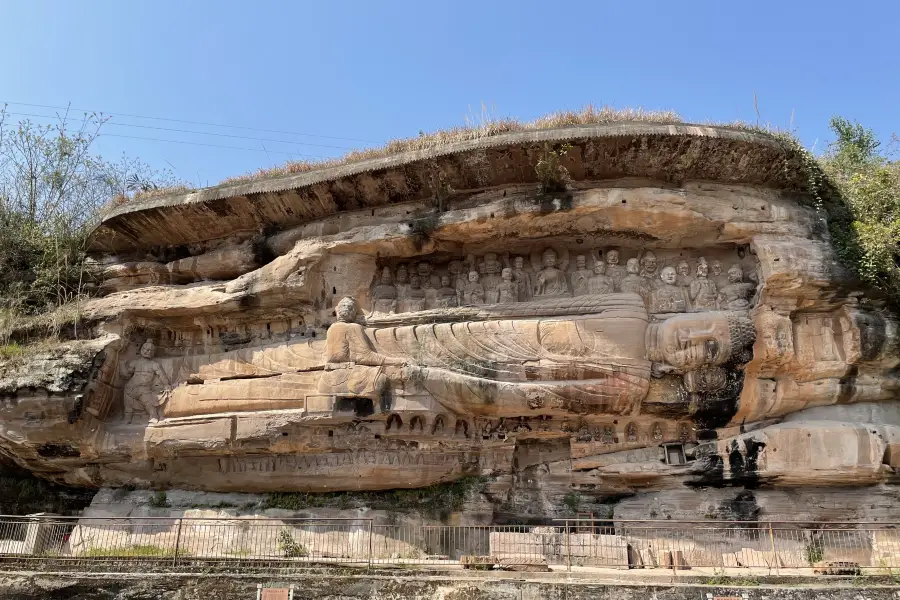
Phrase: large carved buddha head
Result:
[549,258]
[691,341]
[346,310]
[612,258]
[668,275]
[148,349]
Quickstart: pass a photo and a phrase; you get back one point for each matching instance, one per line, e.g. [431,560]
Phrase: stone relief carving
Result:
[142,390]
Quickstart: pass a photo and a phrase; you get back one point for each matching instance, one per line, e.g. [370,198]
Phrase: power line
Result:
[133,116]
[228,135]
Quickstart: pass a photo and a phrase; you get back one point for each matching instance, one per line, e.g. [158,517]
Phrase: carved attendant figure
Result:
[580,277]
[457,279]
[143,375]
[474,293]
[648,270]
[507,291]
[668,297]
[415,295]
[600,282]
[632,283]
[704,295]
[684,275]
[447,295]
[522,279]
[550,281]
[352,367]
[402,284]
[716,276]
[491,279]
[737,292]
[427,280]
[384,295]
[613,270]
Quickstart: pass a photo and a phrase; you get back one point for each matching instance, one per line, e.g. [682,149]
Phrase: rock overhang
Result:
[671,154]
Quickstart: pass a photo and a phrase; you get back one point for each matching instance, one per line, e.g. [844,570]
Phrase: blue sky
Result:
[371,71]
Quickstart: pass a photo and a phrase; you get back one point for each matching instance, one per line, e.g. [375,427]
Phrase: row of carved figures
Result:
[475,282]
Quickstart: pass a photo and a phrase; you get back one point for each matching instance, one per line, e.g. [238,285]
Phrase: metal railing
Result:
[185,543]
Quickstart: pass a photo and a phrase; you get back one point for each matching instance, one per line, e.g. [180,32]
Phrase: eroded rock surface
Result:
[639,333]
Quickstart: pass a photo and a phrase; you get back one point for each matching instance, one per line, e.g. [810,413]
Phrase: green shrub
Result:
[290,547]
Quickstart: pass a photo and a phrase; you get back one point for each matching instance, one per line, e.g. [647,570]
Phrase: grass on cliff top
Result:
[476,127]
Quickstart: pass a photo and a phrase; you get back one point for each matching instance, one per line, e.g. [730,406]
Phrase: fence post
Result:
[369,565]
[568,547]
[772,542]
[177,542]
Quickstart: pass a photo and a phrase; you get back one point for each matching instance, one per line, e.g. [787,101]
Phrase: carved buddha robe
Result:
[352,367]
[551,282]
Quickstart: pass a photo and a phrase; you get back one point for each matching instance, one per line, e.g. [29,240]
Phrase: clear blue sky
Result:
[375,70]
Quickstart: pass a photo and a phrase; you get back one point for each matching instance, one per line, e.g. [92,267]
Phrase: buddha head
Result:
[506,274]
[386,277]
[491,264]
[402,275]
[668,275]
[599,267]
[346,310]
[423,269]
[148,349]
[690,341]
[632,266]
[684,269]
[716,268]
[473,276]
[455,268]
[702,268]
[580,262]
[519,263]
[735,274]
[415,282]
[648,262]
[445,281]
[548,258]
[612,258]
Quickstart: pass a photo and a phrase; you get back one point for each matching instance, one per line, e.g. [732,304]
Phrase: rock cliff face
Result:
[673,320]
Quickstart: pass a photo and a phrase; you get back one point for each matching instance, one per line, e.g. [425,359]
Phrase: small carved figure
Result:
[632,283]
[684,275]
[457,278]
[580,277]
[352,367]
[507,291]
[550,281]
[613,269]
[684,432]
[384,295]
[648,270]
[631,432]
[491,279]
[704,295]
[657,432]
[427,279]
[609,436]
[446,295]
[401,281]
[522,279]
[737,293]
[416,295]
[826,349]
[144,375]
[715,274]
[600,282]
[668,297]
[473,295]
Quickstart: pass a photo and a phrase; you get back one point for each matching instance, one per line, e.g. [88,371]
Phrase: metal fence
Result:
[157,543]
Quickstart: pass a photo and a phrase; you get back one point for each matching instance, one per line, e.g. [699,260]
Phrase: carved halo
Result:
[562,257]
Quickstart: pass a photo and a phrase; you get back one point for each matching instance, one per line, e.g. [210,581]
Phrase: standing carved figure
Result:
[491,280]
[668,297]
[507,291]
[447,294]
[427,279]
[550,281]
[737,292]
[632,283]
[613,269]
[473,295]
[522,279]
[457,279]
[600,282]
[715,274]
[384,295]
[580,277]
[415,295]
[704,295]
[684,275]
[401,281]
[648,270]
[144,375]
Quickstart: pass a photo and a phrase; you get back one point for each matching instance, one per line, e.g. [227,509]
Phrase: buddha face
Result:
[519,263]
[346,310]
[649,262]
[668,275]
[580,261]
[599,268]
[632,266]
[702,269]
[506,274]
[386,276]
[491,264]
[473,276]
[415,282]
[454,267]
[612,258]
[691,341]
[716,268]
[445,281]
[549,259]
[684,269]
[148,349]
[423,269]
[735,274]
[402,275]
